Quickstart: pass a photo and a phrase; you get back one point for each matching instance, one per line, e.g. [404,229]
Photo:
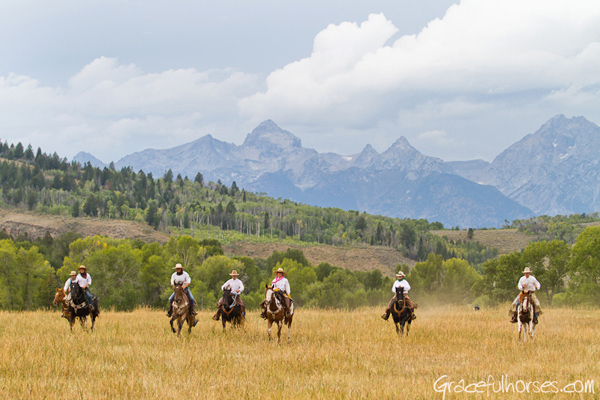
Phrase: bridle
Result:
[396,303]
[269,302]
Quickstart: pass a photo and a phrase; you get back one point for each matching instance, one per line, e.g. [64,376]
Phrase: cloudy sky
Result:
[460,79]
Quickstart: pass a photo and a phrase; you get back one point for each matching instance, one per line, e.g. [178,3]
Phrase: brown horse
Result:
[181,311]
[60,297]
[275,313]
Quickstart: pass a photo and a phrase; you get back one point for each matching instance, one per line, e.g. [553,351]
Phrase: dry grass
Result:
[505,240]
[354,258]
[332,355]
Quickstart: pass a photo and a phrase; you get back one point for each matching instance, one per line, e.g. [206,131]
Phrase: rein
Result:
[231,306]
[396,307]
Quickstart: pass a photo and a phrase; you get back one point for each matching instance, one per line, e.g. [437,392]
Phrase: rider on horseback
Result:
[183,278]
[281,286]
[85,280]
[400,282]
[527,283]
[237,287]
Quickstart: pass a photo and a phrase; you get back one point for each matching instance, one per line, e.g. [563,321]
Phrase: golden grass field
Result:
[332,355]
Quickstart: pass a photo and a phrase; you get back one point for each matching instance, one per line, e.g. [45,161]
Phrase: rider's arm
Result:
[287,287]
[537,284]
[88,281]
[520,285]
[225,285]
[241,289]
[173,279]
[187,280]
[67,285]
[406,287]
[394,286]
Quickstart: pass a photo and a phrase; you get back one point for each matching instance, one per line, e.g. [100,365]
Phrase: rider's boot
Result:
[170,312]
[412,315]
[386,315]
[263,314]
[514,317]
[193,310]
[535,318]
[217,315]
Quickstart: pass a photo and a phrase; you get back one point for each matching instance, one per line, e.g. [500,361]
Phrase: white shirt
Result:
[281,284]
[84,281]
[403,283]
[182,279]
[234,284]
[68,284]
[529,284]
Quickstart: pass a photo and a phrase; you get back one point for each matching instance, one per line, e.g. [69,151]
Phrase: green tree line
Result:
[130,273]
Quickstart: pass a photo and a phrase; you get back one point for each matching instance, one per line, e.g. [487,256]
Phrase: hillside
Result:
[36,225]
[505,240]
[364,258]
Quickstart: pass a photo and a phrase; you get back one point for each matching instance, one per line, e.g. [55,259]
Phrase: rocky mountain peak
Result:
[270,137]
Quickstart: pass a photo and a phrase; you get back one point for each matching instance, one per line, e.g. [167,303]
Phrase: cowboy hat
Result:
[83,266]
[527,270]
[400,274]
[234,273]
[73,273]
[281,270]
[178,266]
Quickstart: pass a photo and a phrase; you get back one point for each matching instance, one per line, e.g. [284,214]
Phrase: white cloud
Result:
[472,82]
[482,55]
[112,110]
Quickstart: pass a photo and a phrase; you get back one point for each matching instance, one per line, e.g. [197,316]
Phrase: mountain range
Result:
[552,171]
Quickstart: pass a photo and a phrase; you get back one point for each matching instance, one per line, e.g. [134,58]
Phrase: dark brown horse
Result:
[525,314]
[181,310]
[275,313]
[60,297]
[401,314]
[231,311]
[79,308]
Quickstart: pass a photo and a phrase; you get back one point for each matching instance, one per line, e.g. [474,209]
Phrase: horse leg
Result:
[289,324]
[279,326]
[269,325]
[179,326]
[72,320]
[407,328]
[397,328]
[171,322]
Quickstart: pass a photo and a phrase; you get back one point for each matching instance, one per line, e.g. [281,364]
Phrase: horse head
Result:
[525,299]
[59,297]
[227,297]
[268,294]
[178,289]
[400,295]
[76,292]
